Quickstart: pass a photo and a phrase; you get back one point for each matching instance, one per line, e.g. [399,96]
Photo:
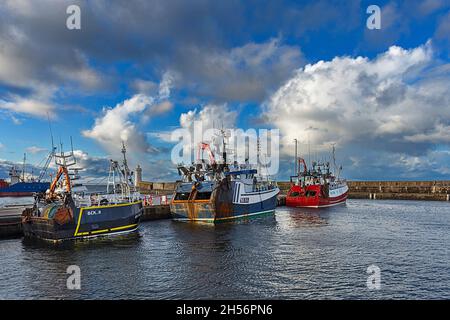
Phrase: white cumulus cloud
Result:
[121,123]
[30,106]
[353,98]
[116,125]
[390,104]
[211,116]
[35,149]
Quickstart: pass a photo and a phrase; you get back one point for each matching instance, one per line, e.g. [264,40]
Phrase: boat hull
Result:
[317,203]
[205,212]
[87,222]
[226,204]
[24,189]
[16,194]
[319,200]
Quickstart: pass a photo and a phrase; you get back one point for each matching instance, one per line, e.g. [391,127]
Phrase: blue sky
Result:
[250,64]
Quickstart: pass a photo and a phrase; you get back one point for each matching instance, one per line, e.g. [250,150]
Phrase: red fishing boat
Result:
[316,187]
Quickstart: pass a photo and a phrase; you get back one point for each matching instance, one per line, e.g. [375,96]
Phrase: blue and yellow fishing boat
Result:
[62,214]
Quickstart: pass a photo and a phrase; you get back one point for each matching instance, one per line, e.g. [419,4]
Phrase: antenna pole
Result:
[23,169]
[334,158]
[224,155]
[309,151]
[125,165]
[258,155]
[295,159]
[51,132]
[71,143]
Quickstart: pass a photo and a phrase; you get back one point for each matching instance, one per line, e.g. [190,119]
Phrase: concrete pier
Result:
[11,222]
[376,190]
[394,190]
[400,190]
[156,212]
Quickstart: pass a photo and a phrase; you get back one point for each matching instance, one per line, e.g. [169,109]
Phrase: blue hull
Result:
[86,222]
[239,212]
[24,189]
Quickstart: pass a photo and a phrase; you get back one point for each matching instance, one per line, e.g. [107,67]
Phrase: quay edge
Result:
[438,190]
[11,222]
[156,212]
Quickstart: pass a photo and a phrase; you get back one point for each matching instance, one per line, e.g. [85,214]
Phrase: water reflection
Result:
[217,258]
[123,240]
[109,265]
[298,253]
[308,217]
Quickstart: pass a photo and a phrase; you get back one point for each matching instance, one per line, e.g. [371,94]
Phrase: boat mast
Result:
[295,159]
[123,174]
[258,160]
[224,154]
[309,151]
[125,164]
[334,158]
[51,154]
[23,168]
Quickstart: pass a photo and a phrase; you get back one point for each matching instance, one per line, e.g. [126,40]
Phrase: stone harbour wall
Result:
[401,190]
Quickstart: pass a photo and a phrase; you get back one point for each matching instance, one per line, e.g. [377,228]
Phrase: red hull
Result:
[16,194]
[314,197]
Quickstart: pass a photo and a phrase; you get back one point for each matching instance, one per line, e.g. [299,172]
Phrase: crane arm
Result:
[301,161]
[205,146]
[61,170]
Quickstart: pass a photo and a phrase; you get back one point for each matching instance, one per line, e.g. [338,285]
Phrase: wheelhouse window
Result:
[203,196]
[182,196]
[310,193]
[295,194]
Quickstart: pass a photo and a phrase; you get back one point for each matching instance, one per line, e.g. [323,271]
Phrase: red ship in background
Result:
[316,187]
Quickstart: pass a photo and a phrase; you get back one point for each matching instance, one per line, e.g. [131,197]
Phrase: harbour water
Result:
[9,201]
[294,254]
